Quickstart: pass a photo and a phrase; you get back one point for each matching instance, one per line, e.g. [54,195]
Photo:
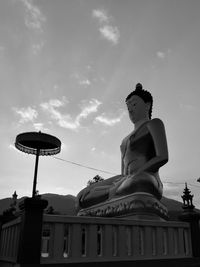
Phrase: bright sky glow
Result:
[66,68]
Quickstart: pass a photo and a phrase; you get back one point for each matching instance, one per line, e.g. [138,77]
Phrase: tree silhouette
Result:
[95,179]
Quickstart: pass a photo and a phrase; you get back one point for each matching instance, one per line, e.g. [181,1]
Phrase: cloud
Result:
[161,55]
[108,121]
[65,120]
[36,48]
[88,108]
[173,190]
[93,149]
[82,79]
[26,114]
[189,107]
[2,48]
[39,126]
[12,147]
[34,18]
[101,15]
[110,33]
[85,82]
[106,29]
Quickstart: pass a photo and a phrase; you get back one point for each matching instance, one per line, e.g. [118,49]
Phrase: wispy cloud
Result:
[2,48]
[82,79]
[161,55]
[34,18]
[37,47]
[12,147]
[26,114]
[106,28]
[66,120]
[39,126]
[173,190]
[107,120]
[88,108]
[85,82]
[110,33]
[189,107]
[101,15]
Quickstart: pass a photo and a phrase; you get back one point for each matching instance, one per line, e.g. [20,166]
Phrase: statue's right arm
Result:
[122,166]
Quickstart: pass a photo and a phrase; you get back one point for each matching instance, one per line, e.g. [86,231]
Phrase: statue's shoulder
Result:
[156,122]
[156,126]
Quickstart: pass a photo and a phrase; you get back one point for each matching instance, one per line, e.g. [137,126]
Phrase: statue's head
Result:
[142,98]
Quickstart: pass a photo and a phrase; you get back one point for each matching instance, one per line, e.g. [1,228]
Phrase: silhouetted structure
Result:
[187,199]
[37,143]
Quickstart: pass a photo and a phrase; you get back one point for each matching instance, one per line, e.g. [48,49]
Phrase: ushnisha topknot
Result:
[144,94]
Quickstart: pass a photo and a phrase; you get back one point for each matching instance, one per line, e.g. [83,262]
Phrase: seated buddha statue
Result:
[143,152]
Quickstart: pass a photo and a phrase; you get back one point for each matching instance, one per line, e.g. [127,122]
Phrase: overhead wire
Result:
[108,172]
[84,166]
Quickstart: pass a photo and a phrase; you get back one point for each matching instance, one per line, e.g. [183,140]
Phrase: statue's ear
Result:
[148,106]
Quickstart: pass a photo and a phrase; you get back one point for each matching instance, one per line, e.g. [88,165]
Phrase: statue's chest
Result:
[136,140]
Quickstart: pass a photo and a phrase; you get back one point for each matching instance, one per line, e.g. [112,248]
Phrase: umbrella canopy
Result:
[39,144]
[34,142]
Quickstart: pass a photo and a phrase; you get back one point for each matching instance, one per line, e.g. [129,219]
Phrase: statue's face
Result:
[137,108]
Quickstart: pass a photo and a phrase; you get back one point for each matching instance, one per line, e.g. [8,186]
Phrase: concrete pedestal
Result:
[31,230]
[134,206]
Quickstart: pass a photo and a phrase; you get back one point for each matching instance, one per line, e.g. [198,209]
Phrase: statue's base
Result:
[134,206]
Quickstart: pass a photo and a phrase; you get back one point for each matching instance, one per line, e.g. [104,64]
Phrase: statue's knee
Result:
[143,182]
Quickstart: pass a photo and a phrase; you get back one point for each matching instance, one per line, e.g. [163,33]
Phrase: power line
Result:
[107,172]
[84,166]
[181,183]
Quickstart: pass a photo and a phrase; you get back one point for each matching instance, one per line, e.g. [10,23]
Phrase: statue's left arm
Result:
[157,131]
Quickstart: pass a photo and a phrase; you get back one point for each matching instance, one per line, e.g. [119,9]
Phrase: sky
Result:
[66,67]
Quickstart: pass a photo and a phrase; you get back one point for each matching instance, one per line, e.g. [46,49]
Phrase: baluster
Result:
[159,240]
[107,245]
[176,241]
[99,240]
[186,241]
[171,245]
[148,241]
[92,241]
[165,248]
[141,240]
[84,240]
[128,241]
[122,241]
[11,241]
[58,241]
[115,240]
[153,238]
[67,240]
[135,242]
[45,248]
[76,241]
[6,243]
[181,241]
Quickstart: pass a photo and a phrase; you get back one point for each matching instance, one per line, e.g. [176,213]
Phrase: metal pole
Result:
[35,174]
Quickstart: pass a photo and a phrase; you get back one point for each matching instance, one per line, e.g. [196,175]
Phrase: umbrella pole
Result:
[35,174]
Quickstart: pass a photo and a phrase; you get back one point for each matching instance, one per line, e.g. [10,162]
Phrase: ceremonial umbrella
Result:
[39,144]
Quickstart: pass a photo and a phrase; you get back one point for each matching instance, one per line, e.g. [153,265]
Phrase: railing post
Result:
[193,218]
[1,223]
[31,230]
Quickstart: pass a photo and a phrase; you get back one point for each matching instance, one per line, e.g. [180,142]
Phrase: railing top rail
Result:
[11,223]
[111,221]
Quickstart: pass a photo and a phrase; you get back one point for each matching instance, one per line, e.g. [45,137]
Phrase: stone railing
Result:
[9,242]
[68,239]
